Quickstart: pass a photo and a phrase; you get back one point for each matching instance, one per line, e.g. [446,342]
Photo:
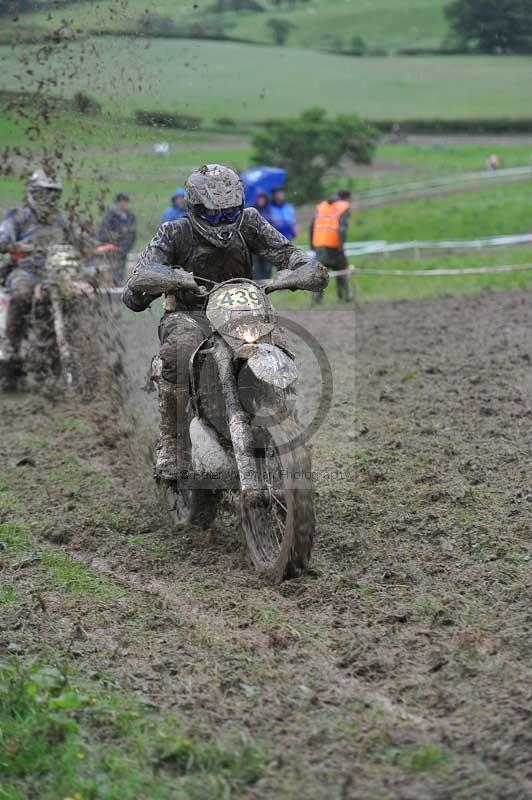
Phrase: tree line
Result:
[491,26]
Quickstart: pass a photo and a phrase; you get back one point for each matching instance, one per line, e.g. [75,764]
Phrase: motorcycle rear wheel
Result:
[280,529]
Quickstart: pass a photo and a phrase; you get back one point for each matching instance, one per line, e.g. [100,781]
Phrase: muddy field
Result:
[400,666]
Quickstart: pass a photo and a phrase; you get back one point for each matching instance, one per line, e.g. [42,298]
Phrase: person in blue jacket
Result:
[177,208]
[282,215]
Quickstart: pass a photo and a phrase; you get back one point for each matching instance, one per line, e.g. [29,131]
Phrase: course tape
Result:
[353,249]
[431,273]
[382,246]
[498,176]
[402,273]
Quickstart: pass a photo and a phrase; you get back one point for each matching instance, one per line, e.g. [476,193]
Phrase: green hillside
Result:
[331,24]
[213,79]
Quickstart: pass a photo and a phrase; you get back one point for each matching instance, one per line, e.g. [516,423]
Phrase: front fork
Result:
[65,354]
[240,427]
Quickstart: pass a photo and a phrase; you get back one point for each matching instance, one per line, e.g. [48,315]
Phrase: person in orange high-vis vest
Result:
[328,232]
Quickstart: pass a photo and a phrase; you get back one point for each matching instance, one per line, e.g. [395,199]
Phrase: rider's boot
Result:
[10,362]
[173,460]
[10,369]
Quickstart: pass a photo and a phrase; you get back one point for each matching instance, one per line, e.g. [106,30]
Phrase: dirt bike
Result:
[244,434]
[54,320]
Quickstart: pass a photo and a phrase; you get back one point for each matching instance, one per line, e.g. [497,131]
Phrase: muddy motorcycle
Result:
[48,348]
[244,434]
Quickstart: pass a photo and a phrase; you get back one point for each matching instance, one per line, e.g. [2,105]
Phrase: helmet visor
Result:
[44,202]
[222,216]
[45,195]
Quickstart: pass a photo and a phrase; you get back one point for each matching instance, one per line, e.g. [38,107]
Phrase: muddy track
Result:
[400,666]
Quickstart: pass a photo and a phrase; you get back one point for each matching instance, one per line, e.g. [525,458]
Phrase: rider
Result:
[215,241]
[26,233]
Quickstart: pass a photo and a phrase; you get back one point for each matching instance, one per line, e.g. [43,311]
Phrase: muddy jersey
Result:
[177,244]
[119,228]
[21,225]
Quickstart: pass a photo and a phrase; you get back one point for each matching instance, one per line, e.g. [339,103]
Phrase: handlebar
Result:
[163,279]
[285,279]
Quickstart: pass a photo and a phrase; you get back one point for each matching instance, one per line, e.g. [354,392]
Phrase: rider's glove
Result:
[159,279]
[283,280]
[136,301]
[185,282]
[312,276]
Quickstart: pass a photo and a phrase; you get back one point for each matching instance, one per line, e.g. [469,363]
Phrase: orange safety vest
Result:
[326,229]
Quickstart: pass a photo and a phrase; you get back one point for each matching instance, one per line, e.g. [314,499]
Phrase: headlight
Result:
[248,334]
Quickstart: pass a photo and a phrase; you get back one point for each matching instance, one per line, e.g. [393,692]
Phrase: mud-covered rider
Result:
[215,241]
[26,233]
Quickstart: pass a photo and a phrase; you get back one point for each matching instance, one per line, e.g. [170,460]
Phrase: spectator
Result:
[262,269]
[177,209]
[397,134]
[262,204]
[119,227]
[282,215]
[493,162]
[328,233]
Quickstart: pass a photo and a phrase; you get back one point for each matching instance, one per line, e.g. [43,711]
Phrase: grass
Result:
[75,578]
[121,153]
[57,569]
[388,24]
[63,736]
[214,79]
[447,158]
[428,758]
[486,212]
[67,731]
[382,288]
[12,538]
[406,163]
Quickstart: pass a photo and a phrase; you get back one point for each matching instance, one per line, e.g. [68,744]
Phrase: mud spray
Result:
[53,124]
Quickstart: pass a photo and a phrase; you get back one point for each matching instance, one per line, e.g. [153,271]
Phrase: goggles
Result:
[218,217]
[41,193]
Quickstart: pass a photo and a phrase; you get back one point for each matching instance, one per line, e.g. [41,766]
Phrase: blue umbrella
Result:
[262,179]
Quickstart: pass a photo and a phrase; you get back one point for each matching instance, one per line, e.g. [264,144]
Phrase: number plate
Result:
[238,298]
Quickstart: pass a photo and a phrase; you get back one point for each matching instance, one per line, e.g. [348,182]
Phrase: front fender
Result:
[4,305]
[272,365]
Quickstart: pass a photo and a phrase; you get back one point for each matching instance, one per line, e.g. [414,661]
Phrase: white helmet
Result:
[43,195]
[215,202]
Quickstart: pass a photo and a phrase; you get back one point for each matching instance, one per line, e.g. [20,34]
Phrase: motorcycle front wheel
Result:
[279,527]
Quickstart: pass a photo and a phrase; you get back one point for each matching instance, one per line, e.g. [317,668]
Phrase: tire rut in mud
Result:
[399,663]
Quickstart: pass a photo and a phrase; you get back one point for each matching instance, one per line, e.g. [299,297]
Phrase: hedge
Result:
[168,119]
[504,125]
[434,51]
[81,103]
